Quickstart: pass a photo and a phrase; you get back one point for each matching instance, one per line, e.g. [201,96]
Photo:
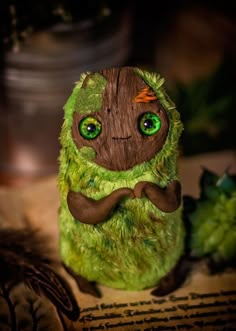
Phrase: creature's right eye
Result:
[90,127]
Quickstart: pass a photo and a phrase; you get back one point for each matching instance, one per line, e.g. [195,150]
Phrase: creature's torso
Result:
[132,250]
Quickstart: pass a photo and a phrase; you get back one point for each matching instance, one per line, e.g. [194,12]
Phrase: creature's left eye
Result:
[90,127]
[149,124]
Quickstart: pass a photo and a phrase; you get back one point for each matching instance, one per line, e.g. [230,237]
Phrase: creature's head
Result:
[122,115]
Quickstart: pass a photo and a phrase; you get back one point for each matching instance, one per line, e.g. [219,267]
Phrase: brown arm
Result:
[166,199]
[90,211]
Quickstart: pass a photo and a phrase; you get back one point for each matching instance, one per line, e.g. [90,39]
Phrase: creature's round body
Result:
[133,250]
[137,243]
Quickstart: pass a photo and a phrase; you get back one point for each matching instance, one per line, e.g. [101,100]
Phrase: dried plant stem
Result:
[11,307]
[63,323]
[34,317]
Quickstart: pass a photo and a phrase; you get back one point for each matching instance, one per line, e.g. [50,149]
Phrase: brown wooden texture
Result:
[121,146]
[166,199]
[91,211]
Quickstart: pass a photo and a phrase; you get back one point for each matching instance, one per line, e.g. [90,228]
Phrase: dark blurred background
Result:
[45,45]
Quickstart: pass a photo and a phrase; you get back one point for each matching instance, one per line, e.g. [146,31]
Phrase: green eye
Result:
[90,127]
[149,124]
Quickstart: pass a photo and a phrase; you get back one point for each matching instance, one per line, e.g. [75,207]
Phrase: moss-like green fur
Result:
[139,244]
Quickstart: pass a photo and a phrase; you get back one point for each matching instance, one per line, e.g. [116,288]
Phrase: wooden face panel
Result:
[121,145]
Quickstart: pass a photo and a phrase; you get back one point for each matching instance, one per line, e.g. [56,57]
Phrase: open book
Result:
[204,302]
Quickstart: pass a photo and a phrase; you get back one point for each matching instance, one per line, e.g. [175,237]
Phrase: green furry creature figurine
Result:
[121,212]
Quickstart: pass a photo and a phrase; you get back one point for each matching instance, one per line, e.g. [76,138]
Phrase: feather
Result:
[25,257]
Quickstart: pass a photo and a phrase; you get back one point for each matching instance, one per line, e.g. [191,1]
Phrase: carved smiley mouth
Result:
[121,138]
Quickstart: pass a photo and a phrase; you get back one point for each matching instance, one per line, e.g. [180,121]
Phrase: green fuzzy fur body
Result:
[138,244]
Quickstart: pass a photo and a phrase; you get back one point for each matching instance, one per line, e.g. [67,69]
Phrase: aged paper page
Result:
[204,302]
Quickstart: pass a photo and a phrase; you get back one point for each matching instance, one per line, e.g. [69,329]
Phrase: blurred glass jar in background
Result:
[37,80]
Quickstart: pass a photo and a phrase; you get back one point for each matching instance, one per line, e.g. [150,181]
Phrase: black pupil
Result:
[91,127]
[148,124]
